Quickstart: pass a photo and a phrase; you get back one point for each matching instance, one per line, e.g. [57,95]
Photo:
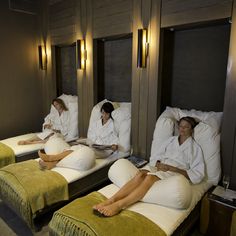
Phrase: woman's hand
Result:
[47,126]
[57,131]
[114,147]
[162,167]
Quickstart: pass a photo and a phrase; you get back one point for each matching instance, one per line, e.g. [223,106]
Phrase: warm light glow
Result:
[81,54]
[42,57]
[142,48]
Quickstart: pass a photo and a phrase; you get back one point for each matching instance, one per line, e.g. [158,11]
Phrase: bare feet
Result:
[42,165]
[22,142]
[102,204]
[110,210]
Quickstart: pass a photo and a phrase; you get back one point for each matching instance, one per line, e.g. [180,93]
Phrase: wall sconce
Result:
[142,48]
[81,54]
[42,57]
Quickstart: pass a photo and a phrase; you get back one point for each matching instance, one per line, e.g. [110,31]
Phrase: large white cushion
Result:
[206,133]
[55,145]
[81,159]
[171,192]
[122,121]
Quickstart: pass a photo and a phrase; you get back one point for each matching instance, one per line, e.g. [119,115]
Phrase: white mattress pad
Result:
[21,150]
[168,219]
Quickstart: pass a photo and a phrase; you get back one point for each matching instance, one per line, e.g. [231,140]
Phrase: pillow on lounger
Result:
[81,159]
[55,145]
[173,192]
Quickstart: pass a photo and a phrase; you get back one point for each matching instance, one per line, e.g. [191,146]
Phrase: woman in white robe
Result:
[178,155]
[101,133]
[55,122]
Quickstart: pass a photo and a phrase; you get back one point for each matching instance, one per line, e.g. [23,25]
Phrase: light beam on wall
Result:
[81,54]
[142,48]
[42,57]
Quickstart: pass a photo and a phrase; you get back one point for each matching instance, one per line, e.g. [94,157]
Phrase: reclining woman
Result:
[179,155]
[101,132]
[57,122]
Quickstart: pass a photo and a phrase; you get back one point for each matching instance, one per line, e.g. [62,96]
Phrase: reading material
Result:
[226,194]
[137,161]
[101,147]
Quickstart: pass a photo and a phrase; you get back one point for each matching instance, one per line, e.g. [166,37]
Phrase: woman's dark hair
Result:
[61,102]
[108,108]
[190,120]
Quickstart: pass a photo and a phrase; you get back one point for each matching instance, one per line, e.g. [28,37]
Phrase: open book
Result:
[101,147]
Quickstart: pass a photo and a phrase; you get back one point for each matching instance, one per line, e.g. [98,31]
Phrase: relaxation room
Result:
[118,117]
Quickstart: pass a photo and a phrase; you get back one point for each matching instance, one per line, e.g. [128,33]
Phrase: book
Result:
[101,147]
[82,141]
[137,161]
[227,194]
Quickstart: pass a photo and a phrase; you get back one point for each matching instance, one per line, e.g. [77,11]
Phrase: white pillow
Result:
[209,140]
[163,130]
[73,125]
[82,159]
[173,192]
[55,145]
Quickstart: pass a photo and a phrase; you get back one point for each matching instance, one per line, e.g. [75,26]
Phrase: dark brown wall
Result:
[20,85]
[228,137]
[194,71]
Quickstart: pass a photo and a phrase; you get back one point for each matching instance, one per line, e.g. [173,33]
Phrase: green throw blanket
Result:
[28,189]
[77,218]
[7,155]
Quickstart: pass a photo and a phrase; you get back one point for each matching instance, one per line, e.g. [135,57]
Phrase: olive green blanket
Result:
[77,218]
[7,155]
[28,189]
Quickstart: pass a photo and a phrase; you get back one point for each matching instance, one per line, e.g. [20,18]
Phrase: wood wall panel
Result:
[154,83]
[179,12]
[228,136]
[62,22]
[111,17]
[135,78]
[145,80]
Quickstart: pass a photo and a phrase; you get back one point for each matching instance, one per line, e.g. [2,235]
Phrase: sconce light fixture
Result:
[142,48]
[81,54]
[42,57]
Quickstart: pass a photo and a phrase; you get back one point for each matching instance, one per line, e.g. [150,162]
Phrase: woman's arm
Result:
[164,167]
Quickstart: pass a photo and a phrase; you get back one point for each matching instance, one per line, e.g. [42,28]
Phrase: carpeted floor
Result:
[11,224]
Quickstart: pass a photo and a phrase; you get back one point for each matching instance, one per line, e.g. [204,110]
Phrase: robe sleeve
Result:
[196,172]
[159,153]
[65,123]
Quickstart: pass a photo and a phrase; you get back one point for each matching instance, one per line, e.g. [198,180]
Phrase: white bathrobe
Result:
[58,122]
[187,156]
[103,134]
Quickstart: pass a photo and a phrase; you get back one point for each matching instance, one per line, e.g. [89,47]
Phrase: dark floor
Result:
[11,224]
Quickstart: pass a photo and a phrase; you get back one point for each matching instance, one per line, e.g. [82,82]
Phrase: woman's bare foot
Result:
[110,210]
[22,142]
[102,204]
[42,165]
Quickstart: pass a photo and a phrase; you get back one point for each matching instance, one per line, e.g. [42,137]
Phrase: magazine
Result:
[137,161]
[101,147]
[82,141]
[43,135]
